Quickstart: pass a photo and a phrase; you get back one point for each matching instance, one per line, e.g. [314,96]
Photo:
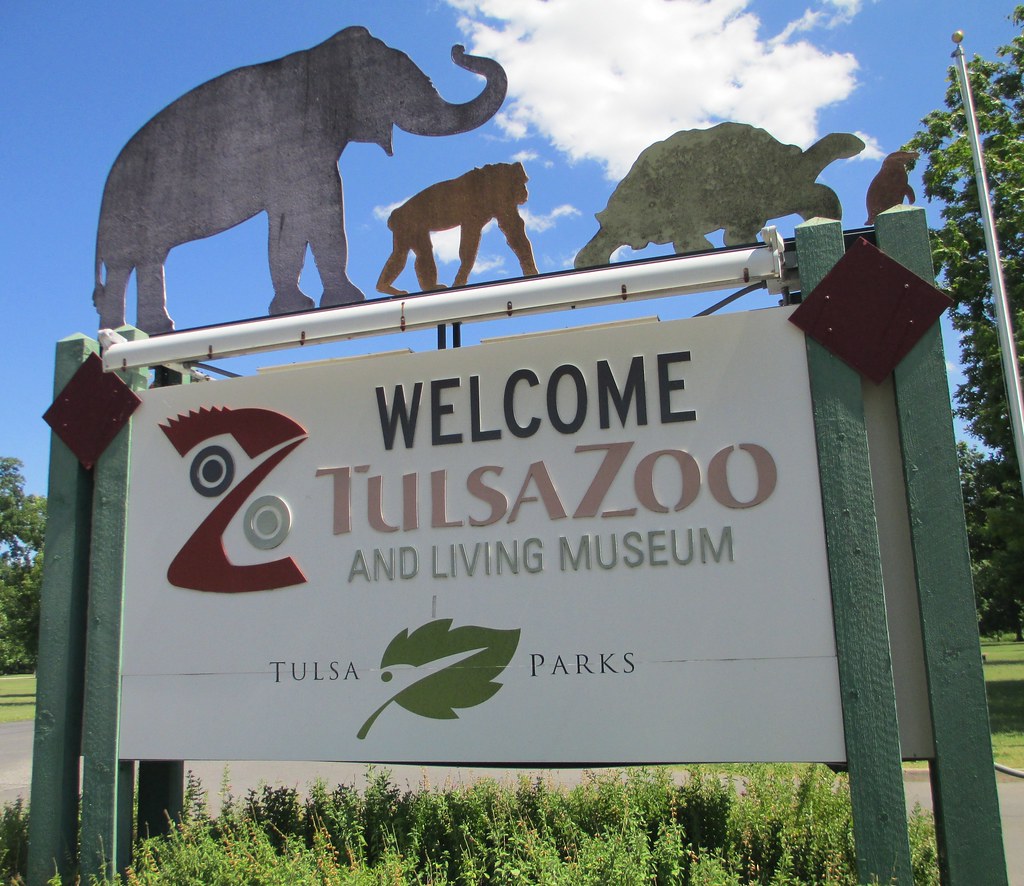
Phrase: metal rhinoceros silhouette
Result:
[732,176]
[266,138]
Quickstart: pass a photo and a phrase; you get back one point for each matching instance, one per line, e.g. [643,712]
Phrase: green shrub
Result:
[13,841]
[756,825]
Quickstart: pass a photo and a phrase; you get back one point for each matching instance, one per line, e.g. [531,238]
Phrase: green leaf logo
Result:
[464,684]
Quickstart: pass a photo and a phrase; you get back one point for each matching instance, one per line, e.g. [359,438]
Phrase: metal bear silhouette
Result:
[732,176]
[890,185]
[267,138]
[470,202]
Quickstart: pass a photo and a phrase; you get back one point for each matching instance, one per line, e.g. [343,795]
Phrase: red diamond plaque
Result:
[91,409]
[870,311]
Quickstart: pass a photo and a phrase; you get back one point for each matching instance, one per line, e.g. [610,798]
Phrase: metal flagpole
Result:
[1007,343]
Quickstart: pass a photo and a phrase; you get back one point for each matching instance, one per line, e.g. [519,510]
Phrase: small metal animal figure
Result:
[890,186]
[469,201]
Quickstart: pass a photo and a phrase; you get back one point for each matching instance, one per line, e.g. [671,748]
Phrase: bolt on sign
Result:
[595,546]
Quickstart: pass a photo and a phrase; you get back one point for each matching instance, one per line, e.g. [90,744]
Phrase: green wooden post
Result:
[53,824]
[862,637]
[963,778]
[106,783]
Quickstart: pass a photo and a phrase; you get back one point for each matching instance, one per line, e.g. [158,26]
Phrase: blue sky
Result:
[592,82]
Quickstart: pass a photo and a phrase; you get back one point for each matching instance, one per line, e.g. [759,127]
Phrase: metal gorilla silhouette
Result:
[267,138]
[468,202]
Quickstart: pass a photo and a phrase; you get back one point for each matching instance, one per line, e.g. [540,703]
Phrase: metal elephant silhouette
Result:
[267,138]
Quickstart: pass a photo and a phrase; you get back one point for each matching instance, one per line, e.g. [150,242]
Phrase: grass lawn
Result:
[17,698]
[1004,678]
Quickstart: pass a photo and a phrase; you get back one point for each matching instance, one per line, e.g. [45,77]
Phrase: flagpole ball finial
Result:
[958,37]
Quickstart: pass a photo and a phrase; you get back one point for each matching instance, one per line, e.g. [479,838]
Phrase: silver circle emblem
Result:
[267,522]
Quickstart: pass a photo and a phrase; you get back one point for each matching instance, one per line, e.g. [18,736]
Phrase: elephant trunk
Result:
[429,114]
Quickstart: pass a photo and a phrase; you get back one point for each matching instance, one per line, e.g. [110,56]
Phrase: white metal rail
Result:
[721,269]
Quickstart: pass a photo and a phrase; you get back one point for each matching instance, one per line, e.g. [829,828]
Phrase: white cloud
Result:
[845,10]
[603,79]
[832,14]
[807,22]
[547,221]
[383,213]
[486,264]
[446,245]
[873,151]
[526,157]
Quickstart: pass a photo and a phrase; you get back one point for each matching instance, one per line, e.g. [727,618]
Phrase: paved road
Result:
[15,760]
[16,767]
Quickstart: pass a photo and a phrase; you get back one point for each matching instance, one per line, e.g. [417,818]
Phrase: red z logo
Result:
[202,564]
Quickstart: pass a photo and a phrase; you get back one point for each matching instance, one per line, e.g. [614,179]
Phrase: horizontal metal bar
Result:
[707,272]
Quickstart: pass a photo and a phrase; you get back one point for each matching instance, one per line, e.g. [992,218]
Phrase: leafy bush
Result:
[758,824]
[13,841]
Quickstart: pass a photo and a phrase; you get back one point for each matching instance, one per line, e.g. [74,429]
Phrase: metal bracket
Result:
[773,240]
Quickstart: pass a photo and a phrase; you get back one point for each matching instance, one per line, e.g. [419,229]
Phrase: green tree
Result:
[22,528]
[996,542]
[994,502]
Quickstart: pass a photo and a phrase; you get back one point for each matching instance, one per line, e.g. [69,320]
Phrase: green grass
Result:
[1004,679]
[17,698]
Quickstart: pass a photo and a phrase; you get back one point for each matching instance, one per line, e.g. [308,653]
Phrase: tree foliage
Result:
[997,542]
[991,480]
[22,528]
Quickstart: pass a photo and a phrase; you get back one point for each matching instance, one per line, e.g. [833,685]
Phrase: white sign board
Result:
[598,546]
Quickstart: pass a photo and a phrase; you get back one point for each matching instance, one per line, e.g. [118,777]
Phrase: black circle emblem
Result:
[212,471]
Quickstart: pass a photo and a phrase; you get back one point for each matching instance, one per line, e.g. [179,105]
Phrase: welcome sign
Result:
[598,546]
